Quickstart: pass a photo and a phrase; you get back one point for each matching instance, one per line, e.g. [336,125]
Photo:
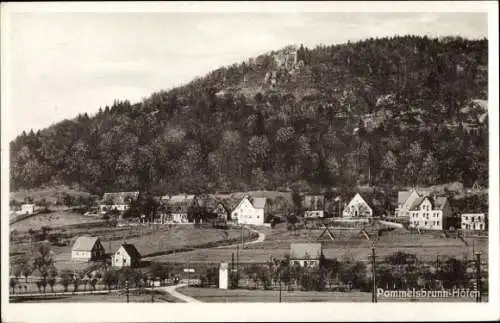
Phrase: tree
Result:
[66,278]
[12,284]
[389,165]
[110,278]
[43,262]
[52,277]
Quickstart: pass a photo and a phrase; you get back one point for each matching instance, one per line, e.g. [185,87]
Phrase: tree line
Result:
[310,131]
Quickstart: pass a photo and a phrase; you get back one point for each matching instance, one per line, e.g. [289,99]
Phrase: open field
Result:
[425,246]
[215,295]
[152,240]
[53,219]
[50,194]
[113,297]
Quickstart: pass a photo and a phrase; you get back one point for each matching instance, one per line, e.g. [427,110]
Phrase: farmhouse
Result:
[406,200]
[473,221]
[178,206]
[119,201]
[250,210]
[87,249]
[314,206]
[27,209]
[357,208]
[430,213]
[126,256]
[305,254]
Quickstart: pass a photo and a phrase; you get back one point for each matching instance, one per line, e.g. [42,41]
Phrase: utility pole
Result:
[478,277]
[242,242]
[237,265]
[374,288]
[127,290]
[232,271]
[279,279]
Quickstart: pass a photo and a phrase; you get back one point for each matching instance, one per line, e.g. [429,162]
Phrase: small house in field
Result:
[305,254]
[87,249]
[27,209]
[250,210]
[358,207]
[178,206]
[314,206]
[119,201]
[473,221]
[126,256]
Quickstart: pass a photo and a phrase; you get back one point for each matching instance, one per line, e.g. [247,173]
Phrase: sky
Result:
[61,64]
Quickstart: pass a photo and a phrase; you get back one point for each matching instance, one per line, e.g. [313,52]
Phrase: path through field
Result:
[172,291]
[261,238]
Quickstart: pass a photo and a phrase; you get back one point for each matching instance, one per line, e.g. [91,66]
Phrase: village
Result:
[262,228]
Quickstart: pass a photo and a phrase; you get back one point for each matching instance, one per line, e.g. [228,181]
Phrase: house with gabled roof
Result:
[358,207]
[430,213]
[314,206]
[87,249]
[406,200]
[126,256]
[250,210]
[119,201]
[305,254]
[178,206]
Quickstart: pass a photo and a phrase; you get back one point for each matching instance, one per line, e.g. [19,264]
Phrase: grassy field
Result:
[214,295]
[53,220]
[113,297]
[149,240]
[49,194]
[277,244]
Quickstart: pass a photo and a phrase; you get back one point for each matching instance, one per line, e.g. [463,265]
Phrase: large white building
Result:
[119,201]
[430,213]
[473,221]
[250,210]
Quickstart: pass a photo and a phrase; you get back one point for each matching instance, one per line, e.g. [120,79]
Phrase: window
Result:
[437,222]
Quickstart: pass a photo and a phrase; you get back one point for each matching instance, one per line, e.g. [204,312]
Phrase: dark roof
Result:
[437,203]
[120,197]
[131,250]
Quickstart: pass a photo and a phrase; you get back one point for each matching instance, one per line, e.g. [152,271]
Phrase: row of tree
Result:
[309,131]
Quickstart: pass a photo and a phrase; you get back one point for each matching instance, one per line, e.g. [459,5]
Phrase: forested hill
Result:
[398,111]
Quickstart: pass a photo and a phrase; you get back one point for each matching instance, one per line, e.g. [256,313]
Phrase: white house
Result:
[473,221]
[250,210]
[357,208]
[119,201]
[314,206]
[305,254]
[27,209]
[126,256]
[406,200]
[430,213]
[87,249]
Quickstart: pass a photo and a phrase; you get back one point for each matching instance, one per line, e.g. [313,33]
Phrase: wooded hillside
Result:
[397,111]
